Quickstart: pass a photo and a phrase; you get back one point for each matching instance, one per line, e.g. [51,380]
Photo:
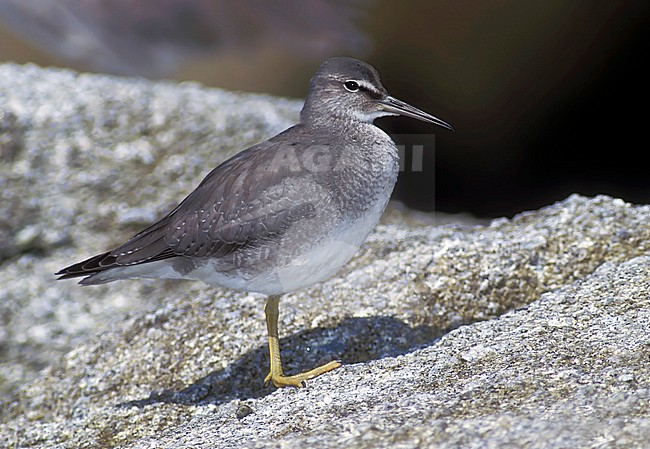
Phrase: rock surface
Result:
[530,332]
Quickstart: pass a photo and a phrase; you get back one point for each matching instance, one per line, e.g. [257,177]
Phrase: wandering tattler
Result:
[283,214]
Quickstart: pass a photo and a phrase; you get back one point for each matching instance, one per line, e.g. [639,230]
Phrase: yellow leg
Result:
[276,375]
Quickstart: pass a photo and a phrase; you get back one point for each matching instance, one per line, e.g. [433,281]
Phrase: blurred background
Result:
[548,98]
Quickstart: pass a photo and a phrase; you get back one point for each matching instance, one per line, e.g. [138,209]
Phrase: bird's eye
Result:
[351,86]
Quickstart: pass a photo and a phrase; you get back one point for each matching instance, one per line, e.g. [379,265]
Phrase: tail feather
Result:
[87,267]
[108,261]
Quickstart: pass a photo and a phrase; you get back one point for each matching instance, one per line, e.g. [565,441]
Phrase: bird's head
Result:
[349,89]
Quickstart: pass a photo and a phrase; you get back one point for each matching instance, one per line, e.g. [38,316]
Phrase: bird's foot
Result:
[297,380]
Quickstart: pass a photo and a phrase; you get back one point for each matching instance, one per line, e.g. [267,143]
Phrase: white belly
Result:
[324,261]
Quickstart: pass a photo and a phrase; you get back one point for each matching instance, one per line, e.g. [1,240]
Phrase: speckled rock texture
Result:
[530,332]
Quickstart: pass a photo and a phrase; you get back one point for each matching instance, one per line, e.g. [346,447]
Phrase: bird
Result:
[281,215]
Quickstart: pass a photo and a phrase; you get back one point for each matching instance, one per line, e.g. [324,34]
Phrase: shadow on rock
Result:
[354,340]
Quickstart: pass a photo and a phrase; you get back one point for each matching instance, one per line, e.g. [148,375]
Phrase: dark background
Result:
[548,98]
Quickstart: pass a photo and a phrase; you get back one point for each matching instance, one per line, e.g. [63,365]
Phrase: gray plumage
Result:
[285,213]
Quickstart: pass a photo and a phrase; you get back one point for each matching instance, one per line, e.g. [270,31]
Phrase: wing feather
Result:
[241,201]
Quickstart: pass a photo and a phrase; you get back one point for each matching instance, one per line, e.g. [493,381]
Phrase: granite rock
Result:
[526,332]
